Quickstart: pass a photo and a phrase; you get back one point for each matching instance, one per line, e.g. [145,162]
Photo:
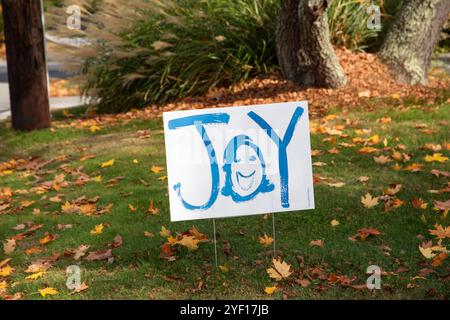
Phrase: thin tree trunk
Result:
[410,41]
[305,53]
[27,73]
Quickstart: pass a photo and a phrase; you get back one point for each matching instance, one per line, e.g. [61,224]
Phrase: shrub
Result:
[155,51]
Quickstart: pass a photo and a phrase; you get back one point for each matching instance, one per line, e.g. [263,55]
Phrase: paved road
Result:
[55,103]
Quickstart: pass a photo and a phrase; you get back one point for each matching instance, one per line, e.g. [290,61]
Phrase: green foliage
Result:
[188,47]
[348,24]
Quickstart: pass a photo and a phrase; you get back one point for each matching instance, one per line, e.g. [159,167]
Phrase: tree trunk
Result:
[305,53]
[288,39]
[27,73]
[410,41]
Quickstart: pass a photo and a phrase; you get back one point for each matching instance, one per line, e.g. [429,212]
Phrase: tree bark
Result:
[27,73]
[409,43]
[305,53]
[288,39]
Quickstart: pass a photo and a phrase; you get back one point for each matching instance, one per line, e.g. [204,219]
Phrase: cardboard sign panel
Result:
[238,161]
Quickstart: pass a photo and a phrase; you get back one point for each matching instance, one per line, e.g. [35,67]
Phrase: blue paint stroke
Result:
[198,121]
[282,149]
[230,158]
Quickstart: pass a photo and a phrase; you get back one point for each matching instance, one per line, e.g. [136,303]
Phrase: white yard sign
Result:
[238,161]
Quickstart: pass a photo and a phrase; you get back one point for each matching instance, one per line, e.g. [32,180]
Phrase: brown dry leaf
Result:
[280,270]
[436,173]
[335,184]
[432,147]
[99,255]
[316,243]
[363,179]
[364,233]
[415,167]
[9,246]
[197,234]
[167,251]
[393,189]
[385,119]
[118,241]
[83,287]
[442,205]
[304,283]
[439,259]
[382,159]
[366,150]
[418,203]
[80,251]
[33,250]
[5,262]
[151,209]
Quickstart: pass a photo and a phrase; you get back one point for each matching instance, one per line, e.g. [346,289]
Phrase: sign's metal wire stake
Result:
[273,232]
[215,241]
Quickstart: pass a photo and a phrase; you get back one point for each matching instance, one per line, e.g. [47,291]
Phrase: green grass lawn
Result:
[138,271]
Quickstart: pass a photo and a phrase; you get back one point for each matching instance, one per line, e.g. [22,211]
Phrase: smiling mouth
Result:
[245,181]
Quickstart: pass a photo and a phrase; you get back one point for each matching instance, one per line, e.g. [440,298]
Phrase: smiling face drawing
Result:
[245,170]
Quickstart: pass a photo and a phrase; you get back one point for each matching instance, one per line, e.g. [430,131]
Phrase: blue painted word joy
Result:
[240,187]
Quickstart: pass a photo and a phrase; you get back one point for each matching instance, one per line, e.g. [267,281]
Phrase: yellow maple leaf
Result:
[189,242]
[374,139]
[266,240]
[6,271]
[368,201]
[165,232]
[132,208]
[148,234]
[172,240]
[35,276]
[415,167]
[69,208]
[47,239]
[98,179]
[334,222]
[224,269]
[107,163]
[135,161]
[270,290]
[280,270]
[440,232]
[98,229]
[436,157]
[427,252]
[95,128]
[156,169]
[26,203]
[48,291]
[367,150]
[3,285]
